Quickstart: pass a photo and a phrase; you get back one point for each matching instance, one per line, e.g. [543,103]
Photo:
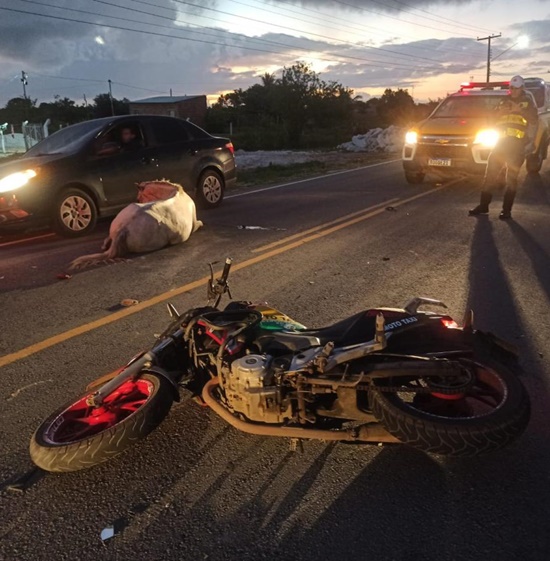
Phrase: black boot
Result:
[507,203]
[483,206]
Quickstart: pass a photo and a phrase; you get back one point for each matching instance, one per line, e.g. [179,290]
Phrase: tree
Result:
[17,110]
[301,96]
[396,107]
[102,106]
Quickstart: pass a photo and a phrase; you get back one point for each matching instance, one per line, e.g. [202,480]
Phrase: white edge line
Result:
[6,244]
[312,179]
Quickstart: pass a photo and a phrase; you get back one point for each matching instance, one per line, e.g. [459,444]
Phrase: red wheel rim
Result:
[80,421]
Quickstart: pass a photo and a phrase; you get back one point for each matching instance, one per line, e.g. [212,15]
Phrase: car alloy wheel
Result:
[76,213]
[210,189]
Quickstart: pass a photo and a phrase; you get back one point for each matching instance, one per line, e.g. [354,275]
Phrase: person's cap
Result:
[517,82]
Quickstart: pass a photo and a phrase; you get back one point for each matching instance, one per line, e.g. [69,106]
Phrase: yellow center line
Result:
[116,316]
[321,226]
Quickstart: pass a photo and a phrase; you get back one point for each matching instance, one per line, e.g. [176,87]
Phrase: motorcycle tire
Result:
[451,435]
[77,436]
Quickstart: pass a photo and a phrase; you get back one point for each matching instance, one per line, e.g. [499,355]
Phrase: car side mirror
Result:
[108,149]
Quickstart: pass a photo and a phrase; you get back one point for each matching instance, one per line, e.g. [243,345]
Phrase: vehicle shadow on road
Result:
[539,257]
[406,505]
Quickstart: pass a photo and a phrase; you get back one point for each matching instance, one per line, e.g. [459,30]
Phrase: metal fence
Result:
[32,134]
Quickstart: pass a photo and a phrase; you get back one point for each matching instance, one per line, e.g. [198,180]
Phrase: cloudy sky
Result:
[72,47]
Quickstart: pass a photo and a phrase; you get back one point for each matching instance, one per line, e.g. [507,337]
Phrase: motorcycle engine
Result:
[251,389]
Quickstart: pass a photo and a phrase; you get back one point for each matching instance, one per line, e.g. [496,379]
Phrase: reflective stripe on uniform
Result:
[513,120]
[514,133]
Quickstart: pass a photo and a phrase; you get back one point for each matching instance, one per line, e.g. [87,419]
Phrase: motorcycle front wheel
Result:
[78,436]
[487,415]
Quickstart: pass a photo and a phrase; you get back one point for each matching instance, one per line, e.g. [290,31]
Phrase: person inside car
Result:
[129,140]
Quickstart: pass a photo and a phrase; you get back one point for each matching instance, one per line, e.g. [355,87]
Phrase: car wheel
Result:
[210,189]
[414,178]
[74,213]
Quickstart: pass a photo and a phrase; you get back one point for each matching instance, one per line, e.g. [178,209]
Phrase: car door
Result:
[119,169]
[177,151]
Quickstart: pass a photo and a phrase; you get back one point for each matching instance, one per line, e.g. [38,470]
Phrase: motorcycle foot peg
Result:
[296,445]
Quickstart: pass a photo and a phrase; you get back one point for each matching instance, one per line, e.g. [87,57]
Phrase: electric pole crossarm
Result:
[489,38]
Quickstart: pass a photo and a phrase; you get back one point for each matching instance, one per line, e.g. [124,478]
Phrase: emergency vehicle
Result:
[457,138]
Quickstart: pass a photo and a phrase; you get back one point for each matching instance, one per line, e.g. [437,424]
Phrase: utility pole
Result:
[111,98]
[489,39]
[24,82]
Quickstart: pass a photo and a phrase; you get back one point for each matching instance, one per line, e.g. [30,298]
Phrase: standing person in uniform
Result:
[517,123]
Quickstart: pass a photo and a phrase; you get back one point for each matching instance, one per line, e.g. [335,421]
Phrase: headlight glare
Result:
[16,180]
[488,138]
[411,137]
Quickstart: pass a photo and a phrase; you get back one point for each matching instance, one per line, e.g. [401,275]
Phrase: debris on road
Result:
[391,208]
[114,529]
[64,276]
[107,533]
[120,524]
[128,302]
[17,392]
[243,227]
[385,258]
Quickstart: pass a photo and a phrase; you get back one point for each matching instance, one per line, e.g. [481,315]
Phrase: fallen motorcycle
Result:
[383,375]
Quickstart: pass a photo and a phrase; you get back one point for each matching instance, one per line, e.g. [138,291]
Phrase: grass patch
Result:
[334,161]
[274,173]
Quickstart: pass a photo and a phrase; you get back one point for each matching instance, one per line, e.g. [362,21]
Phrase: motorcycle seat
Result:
[356,329]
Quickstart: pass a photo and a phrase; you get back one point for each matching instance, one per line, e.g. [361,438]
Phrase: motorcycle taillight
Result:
[449,323]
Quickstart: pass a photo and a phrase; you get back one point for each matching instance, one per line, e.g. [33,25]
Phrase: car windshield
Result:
[66,140]
[468,106]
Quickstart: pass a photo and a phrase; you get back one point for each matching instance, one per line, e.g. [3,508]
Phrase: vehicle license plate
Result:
[440,162]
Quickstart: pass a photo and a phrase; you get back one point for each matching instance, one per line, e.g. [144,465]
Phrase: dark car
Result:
[91,169]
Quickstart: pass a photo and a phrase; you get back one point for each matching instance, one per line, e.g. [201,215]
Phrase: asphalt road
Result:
[197,489]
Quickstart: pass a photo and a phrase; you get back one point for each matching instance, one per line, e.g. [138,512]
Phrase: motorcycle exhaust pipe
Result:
[372,432]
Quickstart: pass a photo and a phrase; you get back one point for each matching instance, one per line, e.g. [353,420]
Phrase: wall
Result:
[192,109]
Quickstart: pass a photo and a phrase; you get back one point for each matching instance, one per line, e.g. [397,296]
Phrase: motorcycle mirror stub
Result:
[172,311]
[217,288]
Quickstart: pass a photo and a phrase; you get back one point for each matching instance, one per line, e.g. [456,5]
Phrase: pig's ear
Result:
[140,186]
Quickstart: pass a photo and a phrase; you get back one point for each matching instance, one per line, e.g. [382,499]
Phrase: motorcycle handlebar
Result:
[226,269]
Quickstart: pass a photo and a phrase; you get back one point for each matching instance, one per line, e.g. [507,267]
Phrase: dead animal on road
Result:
[164,215]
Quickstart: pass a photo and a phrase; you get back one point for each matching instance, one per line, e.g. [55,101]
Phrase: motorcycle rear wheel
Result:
[78,436]
[488,416]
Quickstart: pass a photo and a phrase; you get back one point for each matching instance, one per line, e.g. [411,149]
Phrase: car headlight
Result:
[16,180]
[411,137]
[488,138]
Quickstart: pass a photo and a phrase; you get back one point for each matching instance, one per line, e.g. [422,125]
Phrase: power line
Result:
[248,38]
[65,78]
[453,22]
[137,87]
[263,40]
[374,63]
[96,81]
[255,20]
[355,7]
[371,29]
